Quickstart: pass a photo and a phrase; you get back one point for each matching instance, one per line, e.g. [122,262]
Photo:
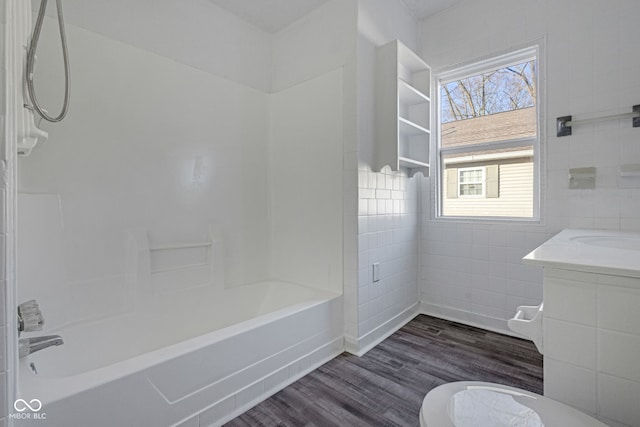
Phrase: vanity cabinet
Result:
[403,109]
[591,322]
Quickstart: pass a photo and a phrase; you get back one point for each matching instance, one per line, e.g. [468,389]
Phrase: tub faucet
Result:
[26,346]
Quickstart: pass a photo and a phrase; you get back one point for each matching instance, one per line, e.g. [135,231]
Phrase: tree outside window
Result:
[488,137]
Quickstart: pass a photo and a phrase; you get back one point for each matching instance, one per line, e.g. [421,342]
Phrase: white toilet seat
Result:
[437,407]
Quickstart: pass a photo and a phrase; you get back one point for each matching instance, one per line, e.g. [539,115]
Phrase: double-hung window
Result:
[488,138]
[471,182]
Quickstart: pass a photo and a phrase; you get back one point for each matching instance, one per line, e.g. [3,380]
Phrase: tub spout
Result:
[26,346]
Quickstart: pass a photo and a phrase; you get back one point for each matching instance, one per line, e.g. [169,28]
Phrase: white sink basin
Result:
[609,252]
[614,242]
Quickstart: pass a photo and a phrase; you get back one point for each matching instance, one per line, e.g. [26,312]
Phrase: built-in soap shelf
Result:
[164,267]
[528,323]
[180,246]
[179,256]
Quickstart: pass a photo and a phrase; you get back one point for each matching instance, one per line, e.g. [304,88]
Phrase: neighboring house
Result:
[489,183]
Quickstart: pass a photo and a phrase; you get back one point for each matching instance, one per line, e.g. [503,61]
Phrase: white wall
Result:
[472,271]
[195,32]
[149,143]
[306,53]
[387,202]
[316,44]
[305,177]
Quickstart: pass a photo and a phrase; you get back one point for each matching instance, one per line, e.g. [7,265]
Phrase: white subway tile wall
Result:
[591,69]
[477,268]
[388,235]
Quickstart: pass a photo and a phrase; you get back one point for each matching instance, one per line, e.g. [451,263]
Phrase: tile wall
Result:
[474,273]
[471,270]
[388,235]
[387,202]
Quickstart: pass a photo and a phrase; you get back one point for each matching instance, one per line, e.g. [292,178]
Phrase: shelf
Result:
[408,59]
[408,128]
[402,109]
[409,95]
[410,163]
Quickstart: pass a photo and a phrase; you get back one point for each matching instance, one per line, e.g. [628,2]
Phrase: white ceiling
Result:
[273,15]
[424,8]
[270,15]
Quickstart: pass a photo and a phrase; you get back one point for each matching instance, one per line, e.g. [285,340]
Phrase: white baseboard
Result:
[467,318]
[359,346]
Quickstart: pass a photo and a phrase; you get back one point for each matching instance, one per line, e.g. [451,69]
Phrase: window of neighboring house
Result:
[488,138]
[471,182]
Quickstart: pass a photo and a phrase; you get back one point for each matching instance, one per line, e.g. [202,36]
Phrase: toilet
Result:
[480,404]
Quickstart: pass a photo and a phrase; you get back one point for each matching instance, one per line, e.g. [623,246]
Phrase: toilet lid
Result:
[479,404]
[482,406]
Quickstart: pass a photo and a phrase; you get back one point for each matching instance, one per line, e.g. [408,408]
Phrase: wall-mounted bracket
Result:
[636,119]
[562,129]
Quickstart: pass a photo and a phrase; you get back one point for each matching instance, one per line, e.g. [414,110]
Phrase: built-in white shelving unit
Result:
[403,102]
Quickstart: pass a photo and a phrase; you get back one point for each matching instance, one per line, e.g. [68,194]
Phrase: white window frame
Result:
[471,69]
[482,182]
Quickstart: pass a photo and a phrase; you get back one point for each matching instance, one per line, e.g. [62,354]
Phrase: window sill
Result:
[488,220]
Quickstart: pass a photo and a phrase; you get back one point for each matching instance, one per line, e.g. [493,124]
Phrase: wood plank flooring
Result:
[386,386]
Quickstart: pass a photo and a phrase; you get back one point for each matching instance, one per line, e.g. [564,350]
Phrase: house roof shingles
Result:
[495,127]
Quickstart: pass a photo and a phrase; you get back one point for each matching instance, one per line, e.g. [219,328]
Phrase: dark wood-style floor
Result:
[386,386]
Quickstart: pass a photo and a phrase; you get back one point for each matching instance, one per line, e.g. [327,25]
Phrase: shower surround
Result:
[185,252]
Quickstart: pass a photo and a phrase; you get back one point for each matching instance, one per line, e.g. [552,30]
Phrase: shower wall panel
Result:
[152,144]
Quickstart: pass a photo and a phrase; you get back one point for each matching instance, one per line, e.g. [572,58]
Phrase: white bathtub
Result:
[199,358]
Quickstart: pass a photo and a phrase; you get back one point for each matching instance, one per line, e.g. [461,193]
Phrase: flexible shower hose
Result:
[31,59]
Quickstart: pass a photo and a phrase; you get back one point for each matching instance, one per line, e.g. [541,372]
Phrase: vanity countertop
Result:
[592,251]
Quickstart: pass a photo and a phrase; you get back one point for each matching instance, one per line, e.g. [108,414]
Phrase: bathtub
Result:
[196,358]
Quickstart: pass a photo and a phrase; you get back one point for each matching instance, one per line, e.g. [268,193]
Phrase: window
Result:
[488,138]
[471,182]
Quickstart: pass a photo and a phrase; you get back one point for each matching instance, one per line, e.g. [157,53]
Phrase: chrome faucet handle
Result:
[29,317]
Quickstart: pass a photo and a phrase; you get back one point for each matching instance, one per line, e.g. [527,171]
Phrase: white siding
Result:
[515,197]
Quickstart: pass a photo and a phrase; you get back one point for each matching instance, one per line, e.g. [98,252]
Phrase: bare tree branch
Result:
[505,89]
